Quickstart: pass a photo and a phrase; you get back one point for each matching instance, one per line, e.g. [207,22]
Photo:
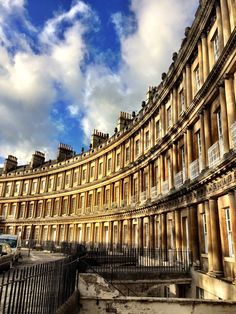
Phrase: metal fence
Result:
[41,288]
[133,260]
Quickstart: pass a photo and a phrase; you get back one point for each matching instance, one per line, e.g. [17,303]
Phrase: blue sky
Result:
[68,67]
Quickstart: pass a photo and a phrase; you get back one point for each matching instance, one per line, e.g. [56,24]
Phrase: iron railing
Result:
[41,288]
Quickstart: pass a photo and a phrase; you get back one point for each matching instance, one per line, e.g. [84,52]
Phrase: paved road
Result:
[36,257]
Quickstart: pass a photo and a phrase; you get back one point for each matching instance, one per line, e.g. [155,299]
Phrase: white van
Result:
[15,243]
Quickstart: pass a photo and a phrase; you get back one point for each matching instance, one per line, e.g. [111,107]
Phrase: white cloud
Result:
[145,53]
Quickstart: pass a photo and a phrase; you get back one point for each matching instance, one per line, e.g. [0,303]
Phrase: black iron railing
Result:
[41,288]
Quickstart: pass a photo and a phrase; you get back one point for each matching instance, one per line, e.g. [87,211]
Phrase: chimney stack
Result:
[37,159]
[64,152]
[10,163]
[98,138]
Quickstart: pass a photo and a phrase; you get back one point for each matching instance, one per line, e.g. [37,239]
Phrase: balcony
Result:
[165,187]
[143,197]
[215,153]
[178,181]
[233,134]
[134,200]
[194,169]
[154,192]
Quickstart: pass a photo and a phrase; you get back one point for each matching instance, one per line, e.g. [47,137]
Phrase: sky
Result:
[68,67]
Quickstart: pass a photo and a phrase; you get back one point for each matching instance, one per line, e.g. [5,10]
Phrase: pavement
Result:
[36,257]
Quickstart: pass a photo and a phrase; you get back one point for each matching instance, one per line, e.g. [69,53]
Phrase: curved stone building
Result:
[165,179]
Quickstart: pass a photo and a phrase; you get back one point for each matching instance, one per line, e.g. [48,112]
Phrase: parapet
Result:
[98,138]
[37,160]
[64,152]
[10,163]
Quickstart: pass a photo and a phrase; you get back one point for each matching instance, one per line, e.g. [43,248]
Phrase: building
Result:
[165,179]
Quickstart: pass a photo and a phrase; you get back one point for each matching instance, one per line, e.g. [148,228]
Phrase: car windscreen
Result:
[11,242]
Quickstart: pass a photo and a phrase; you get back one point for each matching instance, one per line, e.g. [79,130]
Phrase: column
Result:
[205,56]
[110,245]
[200,60]
[162,169]
[224,119]
[202,135]
[215,237]
[75,227]
[163,232]
[194,239]
[209,238]
[220,28]
[142,140]
[188,85]
[83,233]
[175,105]
[178,235]
[186,175]
[140,232]
[207,131]
[225,20]
[66,233]
[151,230]
[230,104]
[175,162]
[130,221]
[92,230]
[120,233]
[232,205]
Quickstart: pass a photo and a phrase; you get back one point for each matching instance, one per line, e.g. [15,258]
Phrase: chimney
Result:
[64,152]
[10,163]
[123,120]
[98,138]
[37,159]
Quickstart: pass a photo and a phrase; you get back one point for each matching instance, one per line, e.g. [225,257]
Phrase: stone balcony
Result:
[215,153]
[154,192]
[165,187]
[143,197]
[178,180]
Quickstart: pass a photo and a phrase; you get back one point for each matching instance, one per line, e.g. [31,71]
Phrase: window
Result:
[182,157]
[126,192]
[135,190]
[118,160]
[17,188]
[171,234]
[169,171]
[109,164]
[169,117]
[181,101]
[199,293]
[98,198]
[229,232]
[204,228]
[13,210]
[25,187]
[137,148]
[145,181]
[82,201]
[117,195]
[199,144]
[64,206]
[22,209]
[39,209]
[146,234]
[73,204]
[146,139]
[34,186]
[84,174]
[90,200]
[100,168]
[8,189]
[4,211]
[92,171]
[58,181]
[107,197]
[127,154]
[197,78]
[219,124]
[67,179]
[31,207]
[48,208]
[215,44]
[56,207]
[158,133]
[75,177]
[42,185]
[50,183]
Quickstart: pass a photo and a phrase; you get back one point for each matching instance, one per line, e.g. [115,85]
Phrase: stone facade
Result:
[166,178]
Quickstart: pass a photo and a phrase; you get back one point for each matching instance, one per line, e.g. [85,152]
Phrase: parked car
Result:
[6,256]
[15,243]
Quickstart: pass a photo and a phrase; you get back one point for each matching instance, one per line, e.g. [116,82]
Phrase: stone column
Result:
[224,119]
[101,227]
[129,232]
[111,223]
[188,85]
[220,27]
[162,170]
[200,60]
[92,228]
[178,235]
[225,20]
[83,233]
[175,160]
[230,104]
[175,105]
[140,232]
[120,233]
[151,230]
[209,238]
[194,239]
[205,56]
[232,205]
[186,175]
[202,135]
[215,235]
[163,232]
